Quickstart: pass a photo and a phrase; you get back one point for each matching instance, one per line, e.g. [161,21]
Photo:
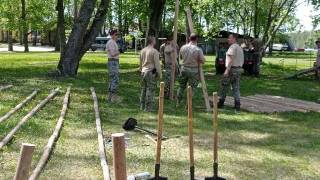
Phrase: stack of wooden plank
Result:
[273,104]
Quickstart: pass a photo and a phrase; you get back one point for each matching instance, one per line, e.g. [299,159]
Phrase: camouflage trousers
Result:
[167,78]
[234,79]
[188,76]
[148,86]
[113,67]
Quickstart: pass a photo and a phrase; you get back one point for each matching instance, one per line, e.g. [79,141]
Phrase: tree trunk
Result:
[80,38]
[35,37]
[61,35]
[10,44]
[255,23]
[21,36]
[119,12]
[75,10]
[156,7]
[24,25]
[56,41]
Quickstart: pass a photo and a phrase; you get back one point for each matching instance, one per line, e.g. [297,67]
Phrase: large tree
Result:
[82,35]
[156,8]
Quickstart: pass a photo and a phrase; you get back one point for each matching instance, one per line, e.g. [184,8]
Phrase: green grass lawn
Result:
[252,146]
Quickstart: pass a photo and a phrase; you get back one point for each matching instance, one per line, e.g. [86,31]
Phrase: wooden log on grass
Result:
[28,116]
[53,138]
[19,106]
[102,153]
[5,87]
[24,163]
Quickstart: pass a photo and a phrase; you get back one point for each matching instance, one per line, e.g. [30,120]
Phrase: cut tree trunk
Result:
[81,36]
[24,25]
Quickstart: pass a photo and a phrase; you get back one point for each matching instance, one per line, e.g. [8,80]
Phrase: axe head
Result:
[130,124]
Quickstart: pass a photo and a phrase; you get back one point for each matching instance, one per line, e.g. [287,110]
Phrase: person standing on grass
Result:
[150,72]
[168,51]
[234,62]
[191,56]
[113,66]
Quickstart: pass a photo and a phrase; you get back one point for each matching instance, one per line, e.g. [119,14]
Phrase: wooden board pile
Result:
[273,104]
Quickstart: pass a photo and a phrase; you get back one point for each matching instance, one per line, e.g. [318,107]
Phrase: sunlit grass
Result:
[252,146]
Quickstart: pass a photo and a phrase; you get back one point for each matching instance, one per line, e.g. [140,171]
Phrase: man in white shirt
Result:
[234,62]
[113,66]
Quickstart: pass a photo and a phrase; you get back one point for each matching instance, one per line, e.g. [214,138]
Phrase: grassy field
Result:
[252,146]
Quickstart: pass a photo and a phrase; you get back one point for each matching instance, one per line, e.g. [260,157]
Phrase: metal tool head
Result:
[130,124]
[158,178]
[214,178]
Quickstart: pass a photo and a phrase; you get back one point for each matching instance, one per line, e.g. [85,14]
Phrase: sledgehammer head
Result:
[215,172]
[157,172]
[130,124]
[214,178]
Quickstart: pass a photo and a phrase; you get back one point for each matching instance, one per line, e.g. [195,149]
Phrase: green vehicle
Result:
[252,57]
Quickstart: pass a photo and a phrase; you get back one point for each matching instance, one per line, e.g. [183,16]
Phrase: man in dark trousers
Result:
[150,73]
[234,62]
[191,56]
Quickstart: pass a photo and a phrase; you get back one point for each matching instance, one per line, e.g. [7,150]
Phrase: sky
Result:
[304,13]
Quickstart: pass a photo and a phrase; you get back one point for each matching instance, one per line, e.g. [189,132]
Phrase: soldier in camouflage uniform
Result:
[113,66]
[191,56]
[234,62]
[168,51]
[150,73]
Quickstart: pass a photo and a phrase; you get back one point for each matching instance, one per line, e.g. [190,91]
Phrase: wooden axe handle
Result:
[160,123]
[215,127]
[190,124]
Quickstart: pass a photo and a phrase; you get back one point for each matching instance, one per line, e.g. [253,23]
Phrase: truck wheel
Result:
[93,49]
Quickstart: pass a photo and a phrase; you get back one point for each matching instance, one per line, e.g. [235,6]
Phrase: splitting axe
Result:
[215,140]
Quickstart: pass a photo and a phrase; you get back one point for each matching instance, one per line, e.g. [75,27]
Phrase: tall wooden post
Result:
[203,82]
[174,55]
[24,163]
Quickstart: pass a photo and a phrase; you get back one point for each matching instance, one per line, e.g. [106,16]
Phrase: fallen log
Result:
[25,118]
[5,87]
[53,138]
[19,106]
[302,72]
[102,153]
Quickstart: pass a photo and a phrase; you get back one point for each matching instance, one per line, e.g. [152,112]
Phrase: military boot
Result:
[221,103]
[237,105]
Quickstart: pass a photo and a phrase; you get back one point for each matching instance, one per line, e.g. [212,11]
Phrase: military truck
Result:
[251,51]
[100,43]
